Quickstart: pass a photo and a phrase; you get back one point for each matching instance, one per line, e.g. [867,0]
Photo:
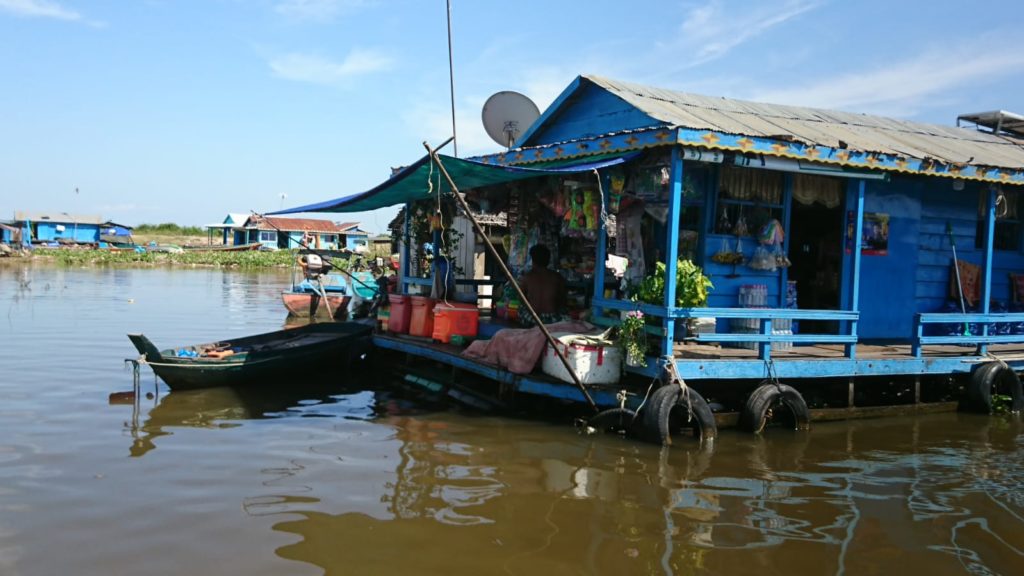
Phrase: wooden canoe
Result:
[273,357]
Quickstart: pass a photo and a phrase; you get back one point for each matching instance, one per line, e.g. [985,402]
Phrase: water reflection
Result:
[525,502]
[355,479]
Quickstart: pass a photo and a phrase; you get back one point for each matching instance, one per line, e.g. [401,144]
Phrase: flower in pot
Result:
[633,338]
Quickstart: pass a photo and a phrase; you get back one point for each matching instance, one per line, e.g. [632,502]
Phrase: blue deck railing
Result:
[765,317]
[971,330]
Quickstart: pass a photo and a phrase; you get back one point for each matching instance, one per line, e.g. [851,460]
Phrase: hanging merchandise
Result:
[575,220]
[763,260]
[629,240]
[741,225]
[781,260]
[615,196]
[591,209]
[554,199]
[723,226]
[772,234]
[727,256]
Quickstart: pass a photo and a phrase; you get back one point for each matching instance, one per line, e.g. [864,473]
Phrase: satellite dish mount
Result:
[507,115]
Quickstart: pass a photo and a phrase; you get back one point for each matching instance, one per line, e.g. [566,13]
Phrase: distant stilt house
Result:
[356,240]
[291,233]
[58,228]
[231,230]
[116,234]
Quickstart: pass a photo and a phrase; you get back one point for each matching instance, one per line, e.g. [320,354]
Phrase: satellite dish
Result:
[507,115]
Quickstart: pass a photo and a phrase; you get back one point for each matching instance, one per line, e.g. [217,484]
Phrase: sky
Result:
[148,111]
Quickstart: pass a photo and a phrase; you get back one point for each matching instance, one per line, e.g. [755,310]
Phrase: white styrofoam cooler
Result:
[594,360]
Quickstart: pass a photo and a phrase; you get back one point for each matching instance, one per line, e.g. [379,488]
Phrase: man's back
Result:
[545,289]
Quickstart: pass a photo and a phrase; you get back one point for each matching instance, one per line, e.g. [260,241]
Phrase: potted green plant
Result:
[633,338]
[692,290]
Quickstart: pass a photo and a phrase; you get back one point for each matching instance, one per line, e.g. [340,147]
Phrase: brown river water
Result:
[349,476]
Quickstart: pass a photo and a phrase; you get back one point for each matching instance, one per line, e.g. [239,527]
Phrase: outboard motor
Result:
[313,266]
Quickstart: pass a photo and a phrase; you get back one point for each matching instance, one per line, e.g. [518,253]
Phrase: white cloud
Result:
[39,9]
[320,70]
[316,9]
[904,88]
[713,29]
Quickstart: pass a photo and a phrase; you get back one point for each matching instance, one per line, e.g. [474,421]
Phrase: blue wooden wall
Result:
[887,282]
[592,111]
[47,231]
[914,276]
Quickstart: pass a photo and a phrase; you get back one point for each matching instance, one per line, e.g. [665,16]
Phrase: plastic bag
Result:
[763,260]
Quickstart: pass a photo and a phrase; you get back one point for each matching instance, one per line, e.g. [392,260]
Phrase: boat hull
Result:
[273,358]
[305,304]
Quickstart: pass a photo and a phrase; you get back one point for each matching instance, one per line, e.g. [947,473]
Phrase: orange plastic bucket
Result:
[421,322]
[401,314]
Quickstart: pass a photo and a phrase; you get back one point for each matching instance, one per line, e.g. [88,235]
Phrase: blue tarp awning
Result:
[412,183]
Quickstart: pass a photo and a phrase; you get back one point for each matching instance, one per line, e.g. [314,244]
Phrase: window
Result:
[268,236]
[1008,226]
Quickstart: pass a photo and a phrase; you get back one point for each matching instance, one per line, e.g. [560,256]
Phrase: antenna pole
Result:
[451,77]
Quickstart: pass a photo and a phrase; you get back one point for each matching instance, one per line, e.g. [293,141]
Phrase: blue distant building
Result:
[231,229]
[356,240]
[62,227]
[10,233]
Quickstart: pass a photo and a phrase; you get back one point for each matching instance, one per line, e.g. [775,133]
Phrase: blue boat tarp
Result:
[412,183]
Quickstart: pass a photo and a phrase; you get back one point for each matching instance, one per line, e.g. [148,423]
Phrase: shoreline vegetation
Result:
[248,259]
[164,235]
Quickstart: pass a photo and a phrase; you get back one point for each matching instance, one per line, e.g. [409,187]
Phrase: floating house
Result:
[289,233]
[231,230]
[117,235]
[41,227]
[845,249]
[356,240]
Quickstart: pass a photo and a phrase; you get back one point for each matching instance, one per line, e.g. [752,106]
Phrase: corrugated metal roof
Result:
[812,126]
[296,225]
[59,217]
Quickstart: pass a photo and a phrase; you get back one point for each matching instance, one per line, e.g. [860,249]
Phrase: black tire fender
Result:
[614,420]
[668,411]
[989,378]
[765,399]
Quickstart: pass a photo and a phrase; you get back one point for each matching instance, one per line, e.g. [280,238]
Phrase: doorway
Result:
[815,251]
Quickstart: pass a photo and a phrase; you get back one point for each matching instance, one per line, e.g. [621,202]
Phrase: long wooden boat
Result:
[260,359]
[304,303]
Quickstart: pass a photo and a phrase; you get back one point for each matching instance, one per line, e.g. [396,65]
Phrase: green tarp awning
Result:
[413,182]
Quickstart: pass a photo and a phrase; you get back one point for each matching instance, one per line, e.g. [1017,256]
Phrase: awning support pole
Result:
[508,274]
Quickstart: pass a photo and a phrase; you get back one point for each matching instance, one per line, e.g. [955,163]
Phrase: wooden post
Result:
[986,291]
[675,198]
[602,245]
[858,231]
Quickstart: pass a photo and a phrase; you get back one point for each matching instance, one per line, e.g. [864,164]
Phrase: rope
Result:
[600,190]
[673,374]
[995,358]
[440,219]
[772,375]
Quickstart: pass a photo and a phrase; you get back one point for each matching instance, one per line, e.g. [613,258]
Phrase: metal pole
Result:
[508,274]
[451,78]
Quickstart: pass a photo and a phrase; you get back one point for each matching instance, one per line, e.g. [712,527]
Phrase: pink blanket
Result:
[519,349]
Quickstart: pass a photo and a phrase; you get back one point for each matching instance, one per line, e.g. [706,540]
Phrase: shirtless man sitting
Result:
[544,287]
